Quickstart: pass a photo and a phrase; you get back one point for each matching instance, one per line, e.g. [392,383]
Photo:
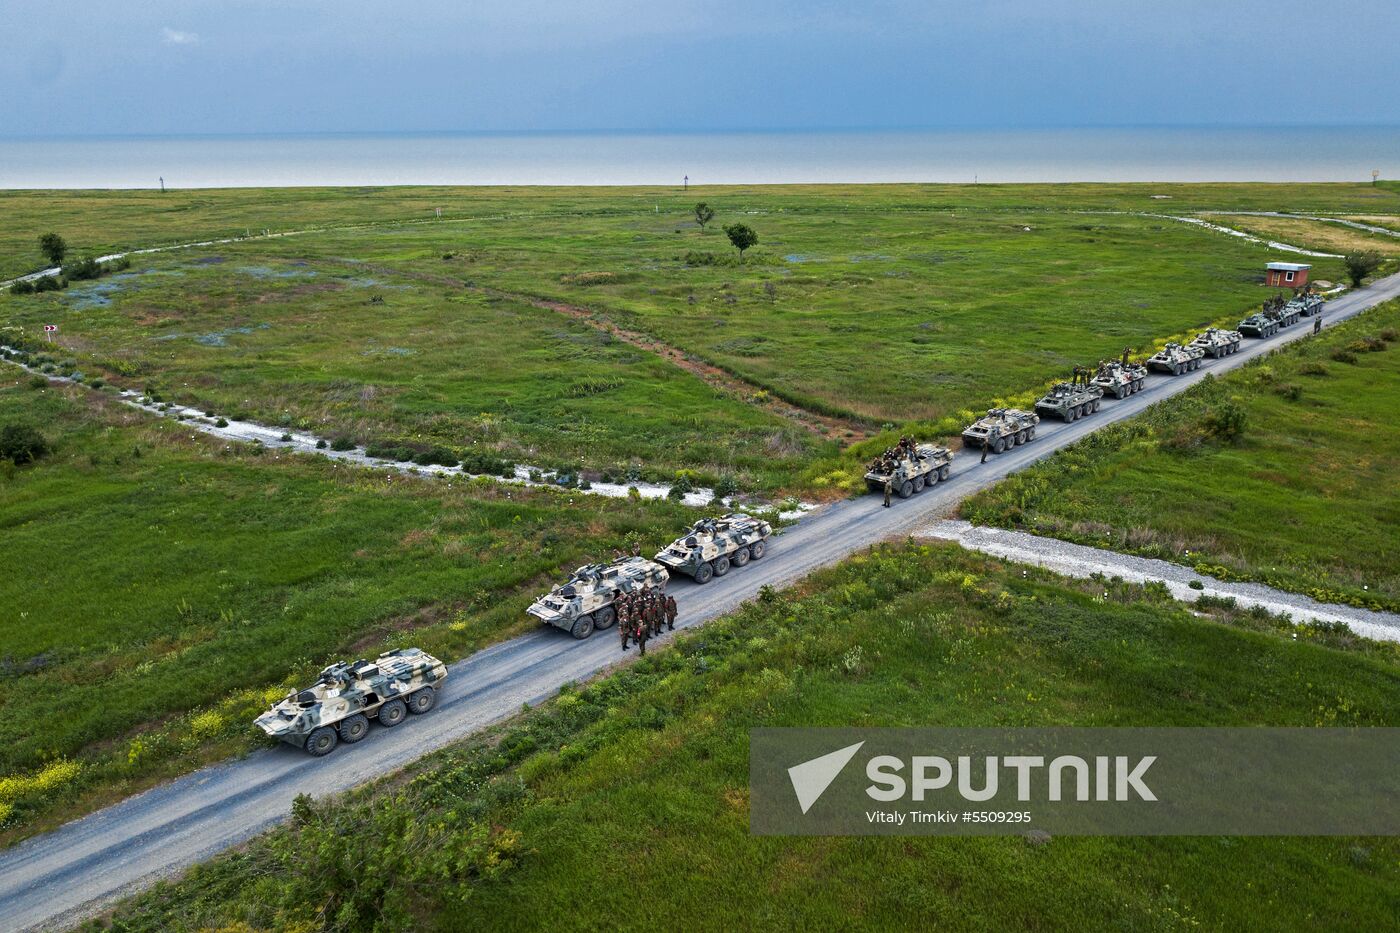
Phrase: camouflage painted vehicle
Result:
[1001,429]
[1259,324]
[713,545]
[1174,359]
[1120,379]
[908,474]
[585,602]
[1217,342]
[1306,304]
[339,706]
[1275,316]
[1070,401]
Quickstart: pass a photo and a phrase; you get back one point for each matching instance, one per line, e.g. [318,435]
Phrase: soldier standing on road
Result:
[889,489]
[1317,324]
[641,634]
[655,614]
[670,613]
[985,445]
[624,622]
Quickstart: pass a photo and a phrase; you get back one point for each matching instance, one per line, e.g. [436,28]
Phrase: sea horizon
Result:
[1074,154]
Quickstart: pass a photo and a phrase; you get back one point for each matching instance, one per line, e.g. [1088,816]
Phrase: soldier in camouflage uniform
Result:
[670,613]
[624,619]
[641,634]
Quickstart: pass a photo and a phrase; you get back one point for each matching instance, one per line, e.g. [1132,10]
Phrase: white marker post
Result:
[50,330]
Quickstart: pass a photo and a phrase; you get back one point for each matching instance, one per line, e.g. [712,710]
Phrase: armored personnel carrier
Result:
[1306,304]
[1175,359]
[909,468]
[585,602]
[1217,342]
[1001,429]
[1120,378]
[1070,401]
[1259,324]
[713,545]
[338,707]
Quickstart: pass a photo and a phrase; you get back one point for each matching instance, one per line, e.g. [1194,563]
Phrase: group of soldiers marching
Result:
[643,615]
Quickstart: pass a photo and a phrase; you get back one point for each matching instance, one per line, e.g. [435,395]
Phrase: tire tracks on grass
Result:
[831,427]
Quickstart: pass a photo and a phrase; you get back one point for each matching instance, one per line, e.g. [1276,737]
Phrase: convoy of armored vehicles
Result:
[585,602]
[1174,359]
[909,467]
[338,707]
[1001,429]
[1217,342]
[714,545]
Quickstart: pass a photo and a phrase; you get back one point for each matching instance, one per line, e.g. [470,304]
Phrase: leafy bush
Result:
[22,443]
[48,283]
[38,382]
[1290,390]
[342,443]
[437,456]
[321,444]
[1226,421]
[22,287]
[85,268]
[487,465]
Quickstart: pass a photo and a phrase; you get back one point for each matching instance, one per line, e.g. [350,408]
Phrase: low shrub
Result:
[342,443]
[81,269]
[22,443]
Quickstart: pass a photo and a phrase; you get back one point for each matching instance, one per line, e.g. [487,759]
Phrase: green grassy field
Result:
[99,222]
[1304,499]
[908,306]
[332,348]
[624,804]
[159,588]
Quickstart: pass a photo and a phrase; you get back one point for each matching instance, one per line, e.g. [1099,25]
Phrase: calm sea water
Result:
[1157,154]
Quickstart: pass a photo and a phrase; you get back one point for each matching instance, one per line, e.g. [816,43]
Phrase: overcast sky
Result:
[89,67]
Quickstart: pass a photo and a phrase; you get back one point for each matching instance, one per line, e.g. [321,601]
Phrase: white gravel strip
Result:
[303,443]
[1076,560]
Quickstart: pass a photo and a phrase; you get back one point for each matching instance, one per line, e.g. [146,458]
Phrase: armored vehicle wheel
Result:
[581,629]
[1071,414]
[423,699]
[721,566]
[906,489]
[353,728]
[998,446]
[740,557]
[1095,403]
[758,549]
[321,741]
[703,573]
[919,484]
[392,713]
[1120,392]
[943,472]
[604,618]
[1176,369]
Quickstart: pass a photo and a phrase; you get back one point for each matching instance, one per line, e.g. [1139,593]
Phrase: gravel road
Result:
[1076,560]
[61,877]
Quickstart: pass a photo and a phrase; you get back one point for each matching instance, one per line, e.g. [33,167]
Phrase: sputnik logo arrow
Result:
[811,778]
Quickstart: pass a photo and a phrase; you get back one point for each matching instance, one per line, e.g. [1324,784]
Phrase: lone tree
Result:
[1360,265]
[742,236]
[53,247]
[703,214]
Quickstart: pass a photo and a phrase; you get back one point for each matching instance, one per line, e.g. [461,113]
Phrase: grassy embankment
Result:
[624,804]
[160,588]
[1303,499]
[903,305]
[1318,234]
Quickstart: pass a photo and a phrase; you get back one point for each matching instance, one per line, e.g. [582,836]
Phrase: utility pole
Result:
[162,184]
[686,183]
[1375,173]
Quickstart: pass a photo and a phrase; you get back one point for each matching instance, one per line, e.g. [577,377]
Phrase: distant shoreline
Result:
[606,159]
